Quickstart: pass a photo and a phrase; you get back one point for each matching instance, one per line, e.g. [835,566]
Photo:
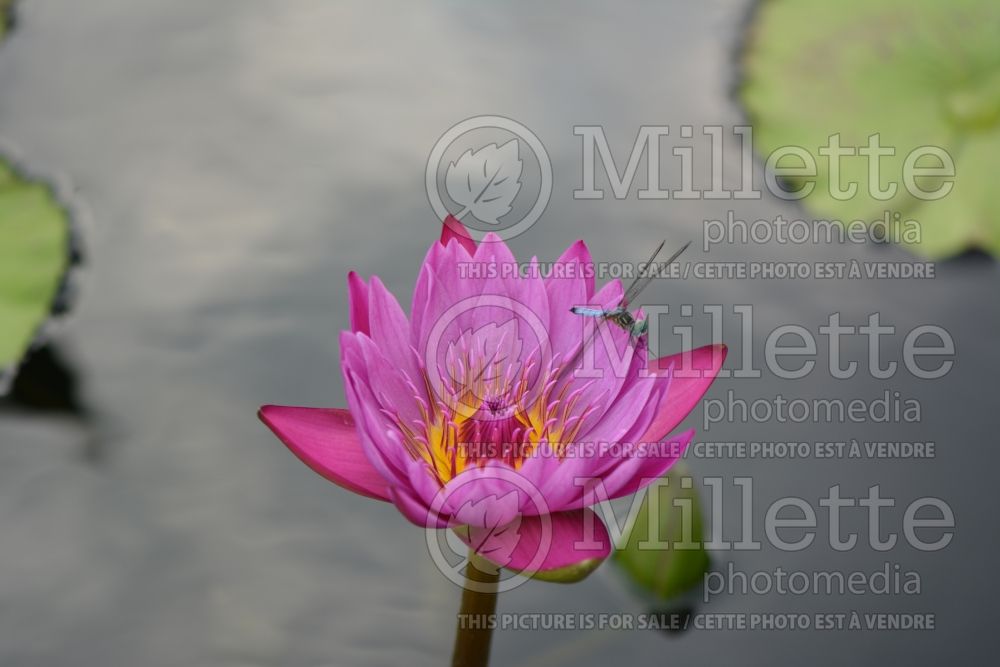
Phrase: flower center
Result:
[484,408]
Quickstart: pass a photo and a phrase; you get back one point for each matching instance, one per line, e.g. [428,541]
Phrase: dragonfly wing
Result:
[641,279]
[646,274]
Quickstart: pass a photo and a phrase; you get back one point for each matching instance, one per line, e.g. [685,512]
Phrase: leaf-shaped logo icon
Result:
[497,349]
[496,535]
[486,181]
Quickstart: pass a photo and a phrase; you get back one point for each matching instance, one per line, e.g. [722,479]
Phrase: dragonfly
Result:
[620,314]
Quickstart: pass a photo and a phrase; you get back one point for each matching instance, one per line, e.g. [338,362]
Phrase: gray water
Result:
[229,162]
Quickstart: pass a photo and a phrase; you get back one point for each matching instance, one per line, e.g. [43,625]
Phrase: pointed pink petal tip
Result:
[357,292]
[326,440]
[453,229]
[693,373]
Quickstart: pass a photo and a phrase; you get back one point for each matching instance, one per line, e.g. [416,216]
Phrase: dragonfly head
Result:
[639,328]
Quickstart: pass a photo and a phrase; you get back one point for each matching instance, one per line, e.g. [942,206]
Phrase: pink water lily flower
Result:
[495,409]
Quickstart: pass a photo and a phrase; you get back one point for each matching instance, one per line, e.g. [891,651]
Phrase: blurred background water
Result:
[230,162]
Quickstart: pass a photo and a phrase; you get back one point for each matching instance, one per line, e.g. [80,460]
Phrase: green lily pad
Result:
[675,521]
[6,7]
[34,256]
[918,73]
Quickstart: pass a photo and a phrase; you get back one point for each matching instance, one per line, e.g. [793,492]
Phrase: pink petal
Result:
[569,283]
[538,543]
[375,431]
[390,330]
[442,284]
[415,511]
[357,292]
[492,494]
[421,299]
[326,440]
[638,472]
[394,392]
[693,373]
[630,404]
[453,229]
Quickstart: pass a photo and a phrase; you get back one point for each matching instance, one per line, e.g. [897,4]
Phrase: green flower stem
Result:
[479,602]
